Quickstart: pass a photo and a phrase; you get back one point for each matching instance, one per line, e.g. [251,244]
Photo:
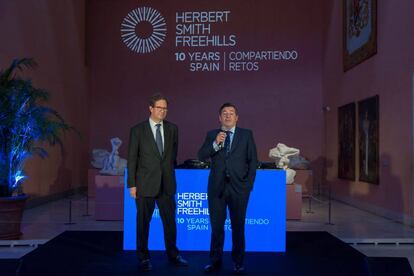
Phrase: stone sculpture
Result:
[99,156]
[113,164]
[288,158]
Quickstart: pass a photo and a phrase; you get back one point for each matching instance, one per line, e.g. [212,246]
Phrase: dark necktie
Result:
[227,142]
[158,139]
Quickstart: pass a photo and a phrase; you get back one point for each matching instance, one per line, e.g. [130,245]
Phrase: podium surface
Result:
[265,225]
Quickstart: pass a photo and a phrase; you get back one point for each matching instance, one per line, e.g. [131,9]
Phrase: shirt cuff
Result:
[215,146]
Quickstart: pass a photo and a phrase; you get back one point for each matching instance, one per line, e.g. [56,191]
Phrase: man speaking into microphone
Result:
[233,156]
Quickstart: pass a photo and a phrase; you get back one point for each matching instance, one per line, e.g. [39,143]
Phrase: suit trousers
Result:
[145,208]
[237,205]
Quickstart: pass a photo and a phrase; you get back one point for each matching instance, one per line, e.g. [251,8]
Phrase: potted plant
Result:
[25,125]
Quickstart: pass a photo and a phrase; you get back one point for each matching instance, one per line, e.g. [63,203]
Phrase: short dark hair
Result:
[227,105]
[155,98]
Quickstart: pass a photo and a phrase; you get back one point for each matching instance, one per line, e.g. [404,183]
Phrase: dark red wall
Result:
[388,74]
[53,33]
[280,103]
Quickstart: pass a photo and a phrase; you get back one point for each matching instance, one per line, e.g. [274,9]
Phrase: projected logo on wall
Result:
[143,30]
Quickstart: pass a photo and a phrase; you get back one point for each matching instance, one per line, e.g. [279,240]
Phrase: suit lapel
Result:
[150,138]
[167,137]
[236,139]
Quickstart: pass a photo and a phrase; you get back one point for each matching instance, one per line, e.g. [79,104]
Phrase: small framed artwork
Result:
[368,127]
[346,138]
[359,31]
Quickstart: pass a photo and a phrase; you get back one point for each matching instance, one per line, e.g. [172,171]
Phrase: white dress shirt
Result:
[154,130]
[217,147]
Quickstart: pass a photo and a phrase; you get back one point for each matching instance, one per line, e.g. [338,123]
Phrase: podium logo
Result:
[143,30]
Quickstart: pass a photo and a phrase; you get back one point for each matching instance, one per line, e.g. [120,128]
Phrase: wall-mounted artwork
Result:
[368,127]
[346,138]
[359,31]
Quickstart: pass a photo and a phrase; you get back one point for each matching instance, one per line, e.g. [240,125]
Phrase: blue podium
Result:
[265,219]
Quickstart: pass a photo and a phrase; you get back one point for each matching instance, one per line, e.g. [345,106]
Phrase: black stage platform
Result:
[100,253]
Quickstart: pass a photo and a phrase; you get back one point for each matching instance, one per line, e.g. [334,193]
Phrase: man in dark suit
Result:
[232,151]
[152,155]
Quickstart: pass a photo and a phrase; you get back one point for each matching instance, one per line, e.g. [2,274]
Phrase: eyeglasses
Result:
[161,108]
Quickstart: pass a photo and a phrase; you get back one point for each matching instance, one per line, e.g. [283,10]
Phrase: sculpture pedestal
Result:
[109,200]
[294,201]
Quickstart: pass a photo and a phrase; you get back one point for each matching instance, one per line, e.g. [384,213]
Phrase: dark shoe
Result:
[146,265]
[212,267]
[238,269]
[179,261]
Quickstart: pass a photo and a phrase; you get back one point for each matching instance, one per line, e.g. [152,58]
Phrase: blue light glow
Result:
[18,177]
[265,226]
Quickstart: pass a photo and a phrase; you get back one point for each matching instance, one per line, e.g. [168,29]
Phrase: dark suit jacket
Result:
[147,169]
[241,162]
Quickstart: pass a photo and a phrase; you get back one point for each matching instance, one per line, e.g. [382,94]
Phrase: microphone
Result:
[221,145]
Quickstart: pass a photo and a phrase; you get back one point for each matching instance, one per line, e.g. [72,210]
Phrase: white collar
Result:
[232,130]
[154,124]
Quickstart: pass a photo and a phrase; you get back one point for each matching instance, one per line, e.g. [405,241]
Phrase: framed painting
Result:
[346,138]
[368,127]
[359,31]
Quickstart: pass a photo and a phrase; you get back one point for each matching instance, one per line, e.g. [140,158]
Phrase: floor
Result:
[100,253]
[366,232]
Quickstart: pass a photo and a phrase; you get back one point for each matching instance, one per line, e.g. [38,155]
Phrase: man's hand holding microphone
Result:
[220,138]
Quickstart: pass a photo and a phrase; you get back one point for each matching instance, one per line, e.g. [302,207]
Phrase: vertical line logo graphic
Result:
[135,21]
